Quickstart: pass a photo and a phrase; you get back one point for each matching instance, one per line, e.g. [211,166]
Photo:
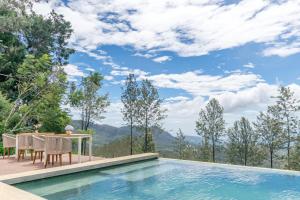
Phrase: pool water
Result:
[167,179]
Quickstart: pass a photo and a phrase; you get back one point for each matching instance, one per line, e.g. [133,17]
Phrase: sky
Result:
[238,52]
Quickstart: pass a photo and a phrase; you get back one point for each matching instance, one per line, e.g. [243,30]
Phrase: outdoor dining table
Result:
[79,137]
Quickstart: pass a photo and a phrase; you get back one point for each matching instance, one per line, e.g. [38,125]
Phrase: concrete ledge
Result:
[57,171]
[8,192]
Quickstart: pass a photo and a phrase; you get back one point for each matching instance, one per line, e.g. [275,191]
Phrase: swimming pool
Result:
[167,179]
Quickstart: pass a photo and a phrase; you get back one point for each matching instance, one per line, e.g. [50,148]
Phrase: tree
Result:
[27,33]
[295,155]
[129,99]
[210,124]
[180,144]
[269,126]
[33,49]
[243,144]
[150,113]
[288,106]
[88,101]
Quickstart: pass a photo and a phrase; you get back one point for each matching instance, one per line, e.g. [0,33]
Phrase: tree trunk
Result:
[246,155]
[146,134]
[213,149]
[131,124]
[271,158]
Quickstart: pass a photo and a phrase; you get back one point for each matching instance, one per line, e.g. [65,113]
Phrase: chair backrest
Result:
[53,145]
[57,145]
[38,143]
[25,141]
[8,140]
[67,145]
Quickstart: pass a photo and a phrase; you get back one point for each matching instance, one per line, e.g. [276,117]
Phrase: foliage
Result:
[210,125]
[150,113]
[129,99]
[119,147]
[180,144]
[269,127]
[243,144]
[33,49]
[87,99]
[288,105]
[295,156]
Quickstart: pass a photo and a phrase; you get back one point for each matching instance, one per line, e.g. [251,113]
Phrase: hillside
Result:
[105,134]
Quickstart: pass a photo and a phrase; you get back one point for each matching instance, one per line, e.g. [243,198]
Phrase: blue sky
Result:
[192,50]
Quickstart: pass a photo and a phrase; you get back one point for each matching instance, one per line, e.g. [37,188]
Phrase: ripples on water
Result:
[168,180]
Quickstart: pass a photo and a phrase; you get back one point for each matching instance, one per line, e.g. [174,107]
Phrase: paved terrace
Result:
[11,165]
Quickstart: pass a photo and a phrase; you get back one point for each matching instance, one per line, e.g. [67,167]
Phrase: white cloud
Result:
[73,70]
[90,69]
[249,65]
[205,85]
[177,98]
[162,59]
[207,26]
[108,78]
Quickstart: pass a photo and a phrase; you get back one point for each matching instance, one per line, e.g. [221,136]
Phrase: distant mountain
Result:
[193,139]
[106,134]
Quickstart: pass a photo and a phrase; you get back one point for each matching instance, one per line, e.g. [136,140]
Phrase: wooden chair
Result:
[25,144]
[56,146]
[9,141]
[38,144]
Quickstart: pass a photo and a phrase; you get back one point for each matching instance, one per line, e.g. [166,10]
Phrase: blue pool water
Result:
[166,179]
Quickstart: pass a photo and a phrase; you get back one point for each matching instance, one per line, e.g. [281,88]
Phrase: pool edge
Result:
[69,169]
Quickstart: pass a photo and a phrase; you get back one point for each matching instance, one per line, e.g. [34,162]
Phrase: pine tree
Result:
[129,99]
[243,144]
[210,125]
[269,126]
[150,112]
[288,106]
[180,144]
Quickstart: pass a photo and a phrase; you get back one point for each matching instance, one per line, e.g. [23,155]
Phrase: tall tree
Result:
[87,99]
[243,144]
[129,99]
[210,124]
[180,144]
[33,49]
[150,112]
[288,107]
[24,33]
[269,126]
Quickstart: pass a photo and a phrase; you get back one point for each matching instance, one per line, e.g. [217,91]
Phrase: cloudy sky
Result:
[192,50]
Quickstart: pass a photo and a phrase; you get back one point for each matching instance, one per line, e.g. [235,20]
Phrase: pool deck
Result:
[25,171]
[12,166]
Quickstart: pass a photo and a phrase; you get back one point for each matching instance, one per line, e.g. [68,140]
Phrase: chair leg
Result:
[56,156]
[41,156]
[8,151]
[23,154]
[4,152]
[60,159]
[47,159]
[52,160]
[70,158]
[35,153]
